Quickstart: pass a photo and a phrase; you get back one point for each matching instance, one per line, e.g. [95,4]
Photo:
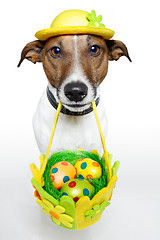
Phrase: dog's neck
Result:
[53,99]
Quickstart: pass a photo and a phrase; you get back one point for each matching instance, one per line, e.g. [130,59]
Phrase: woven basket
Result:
[62,210]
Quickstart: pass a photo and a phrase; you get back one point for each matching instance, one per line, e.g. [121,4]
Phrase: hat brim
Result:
[51,32]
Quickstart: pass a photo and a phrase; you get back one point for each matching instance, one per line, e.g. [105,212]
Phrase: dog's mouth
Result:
[76,105]
[79,106]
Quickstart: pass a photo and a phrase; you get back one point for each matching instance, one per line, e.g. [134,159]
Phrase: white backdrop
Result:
[131,96]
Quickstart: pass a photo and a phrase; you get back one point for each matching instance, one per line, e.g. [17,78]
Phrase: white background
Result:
[131,96]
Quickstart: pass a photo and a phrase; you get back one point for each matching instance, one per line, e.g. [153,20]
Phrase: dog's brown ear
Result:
[32,51]
[117,49]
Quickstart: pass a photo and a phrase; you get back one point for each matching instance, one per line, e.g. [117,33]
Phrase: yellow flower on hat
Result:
[56,213]
[76,22]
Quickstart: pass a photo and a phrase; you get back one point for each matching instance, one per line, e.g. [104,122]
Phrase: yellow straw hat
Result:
[76,22]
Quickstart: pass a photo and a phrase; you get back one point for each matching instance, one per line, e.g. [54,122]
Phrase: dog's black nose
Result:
[76,91]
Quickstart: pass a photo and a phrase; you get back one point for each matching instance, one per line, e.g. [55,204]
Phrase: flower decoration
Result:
[56,213]
[94,21]
[96,210]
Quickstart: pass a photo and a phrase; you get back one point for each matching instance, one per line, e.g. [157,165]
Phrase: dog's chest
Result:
[72,132]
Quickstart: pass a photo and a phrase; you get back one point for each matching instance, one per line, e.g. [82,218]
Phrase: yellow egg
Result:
[88,168]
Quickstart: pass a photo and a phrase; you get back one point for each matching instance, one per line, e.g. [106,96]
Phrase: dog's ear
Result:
[32,51]
[117,49]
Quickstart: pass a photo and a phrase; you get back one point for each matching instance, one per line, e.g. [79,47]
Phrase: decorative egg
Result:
[62,172]
[88,168]
[78,188]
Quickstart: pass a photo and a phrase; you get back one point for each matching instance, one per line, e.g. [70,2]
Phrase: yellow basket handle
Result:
[101,135]
[105,155]
[51,137]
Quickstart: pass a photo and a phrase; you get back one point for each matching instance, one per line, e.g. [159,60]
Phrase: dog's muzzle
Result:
[65,110]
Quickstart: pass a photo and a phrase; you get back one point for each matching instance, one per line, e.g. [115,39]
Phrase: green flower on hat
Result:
[94,21]
[96,210]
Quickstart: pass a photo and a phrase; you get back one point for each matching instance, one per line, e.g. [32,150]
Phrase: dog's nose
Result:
[76,91]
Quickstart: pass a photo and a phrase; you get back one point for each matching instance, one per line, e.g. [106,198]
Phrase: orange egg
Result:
[62,172]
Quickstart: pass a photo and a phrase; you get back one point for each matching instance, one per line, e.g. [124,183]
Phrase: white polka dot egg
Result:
[88,168]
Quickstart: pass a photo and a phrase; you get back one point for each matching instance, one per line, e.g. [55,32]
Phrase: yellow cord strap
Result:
[103,142]
[100,131]
[51,137]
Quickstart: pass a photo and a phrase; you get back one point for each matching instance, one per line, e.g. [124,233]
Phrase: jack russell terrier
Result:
[75,66]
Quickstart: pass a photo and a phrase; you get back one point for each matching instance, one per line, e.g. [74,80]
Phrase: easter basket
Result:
[82,198]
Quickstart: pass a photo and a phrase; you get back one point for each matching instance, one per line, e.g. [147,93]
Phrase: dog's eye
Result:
[95,50]
[55,52]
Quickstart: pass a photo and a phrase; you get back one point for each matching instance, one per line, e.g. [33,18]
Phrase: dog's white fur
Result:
[72,132]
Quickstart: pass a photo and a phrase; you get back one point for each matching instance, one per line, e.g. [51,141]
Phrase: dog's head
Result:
[75,65]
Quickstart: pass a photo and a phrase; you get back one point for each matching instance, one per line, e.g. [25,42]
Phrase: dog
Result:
[75,66]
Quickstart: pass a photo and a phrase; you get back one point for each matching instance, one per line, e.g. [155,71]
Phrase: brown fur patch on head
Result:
[57,69]
[94,67]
